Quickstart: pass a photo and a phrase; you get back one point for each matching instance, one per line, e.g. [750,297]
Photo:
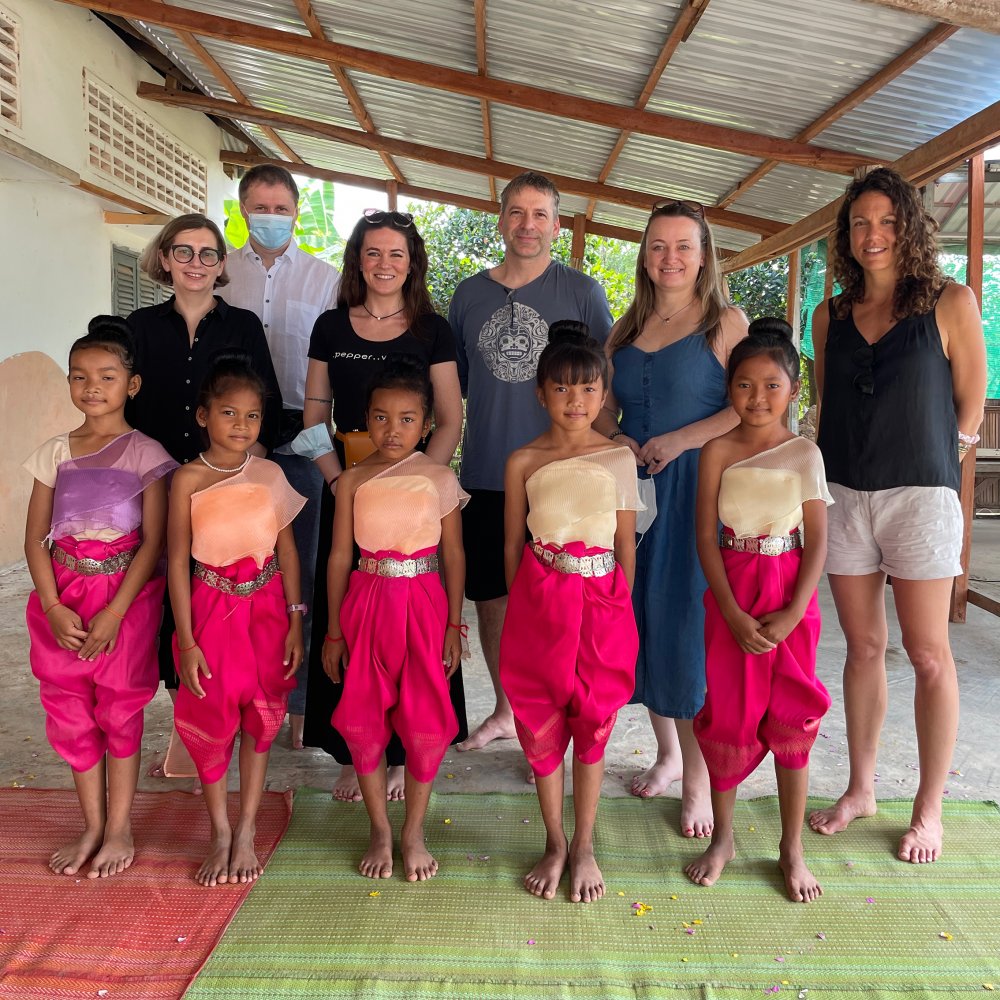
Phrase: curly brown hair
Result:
[920,280]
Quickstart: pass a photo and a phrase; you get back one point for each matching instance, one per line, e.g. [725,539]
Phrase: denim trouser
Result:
[305,478]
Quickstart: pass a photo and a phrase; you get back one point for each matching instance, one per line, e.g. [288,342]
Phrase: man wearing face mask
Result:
[287,288]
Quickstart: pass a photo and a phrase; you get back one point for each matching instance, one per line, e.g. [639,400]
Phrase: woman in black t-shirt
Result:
[383,308]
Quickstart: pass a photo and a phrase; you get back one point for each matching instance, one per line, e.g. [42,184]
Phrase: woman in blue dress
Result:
[668,358]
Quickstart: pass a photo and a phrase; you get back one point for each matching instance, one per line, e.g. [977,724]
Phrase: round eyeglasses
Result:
[183,254]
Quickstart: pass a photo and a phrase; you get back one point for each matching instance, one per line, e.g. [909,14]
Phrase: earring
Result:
[131,395]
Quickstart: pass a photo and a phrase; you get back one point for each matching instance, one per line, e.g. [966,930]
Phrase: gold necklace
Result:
[667,319]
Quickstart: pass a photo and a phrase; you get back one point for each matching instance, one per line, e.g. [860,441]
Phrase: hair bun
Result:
[109,325]
[405,364]
[230,359]
[770,326]
[568,331]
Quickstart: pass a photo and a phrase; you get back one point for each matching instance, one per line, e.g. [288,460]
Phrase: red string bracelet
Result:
[463,628]
[186,649]
[51,606]
[333,638]
[107,607]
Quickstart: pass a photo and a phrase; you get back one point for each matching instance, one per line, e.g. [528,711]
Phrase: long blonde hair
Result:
[709,288]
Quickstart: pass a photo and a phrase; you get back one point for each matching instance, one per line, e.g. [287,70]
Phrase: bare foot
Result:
[543,879]
[214,869]
[697,819]
[70,859]
[490,729]
[243,863]
[296,723]
[707,867]
[656,779]
[529,778]
[800,883]
[346,788]
[114,857]
[395,784]
[836,818]
[586,883]
[921,844]
[418,864]
[377,862]
[156,770]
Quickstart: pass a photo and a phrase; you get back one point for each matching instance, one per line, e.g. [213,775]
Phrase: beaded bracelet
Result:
[615,434]
[51,606]
[107,607]
[969,439]
[333,638]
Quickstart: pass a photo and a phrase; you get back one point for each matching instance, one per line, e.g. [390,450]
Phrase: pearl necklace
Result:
[667,319]
[364,305]
[216,468]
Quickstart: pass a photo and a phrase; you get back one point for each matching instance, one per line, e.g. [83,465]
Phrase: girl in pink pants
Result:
[396,628]
[768,488]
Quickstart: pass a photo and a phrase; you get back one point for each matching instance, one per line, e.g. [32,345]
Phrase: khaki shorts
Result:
[911,532]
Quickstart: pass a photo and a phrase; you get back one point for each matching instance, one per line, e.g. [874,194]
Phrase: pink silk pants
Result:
[768,701]
[394,628]
[95,707]
[243,640]
[567,659]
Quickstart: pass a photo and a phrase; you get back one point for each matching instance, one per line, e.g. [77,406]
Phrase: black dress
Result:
[353,362]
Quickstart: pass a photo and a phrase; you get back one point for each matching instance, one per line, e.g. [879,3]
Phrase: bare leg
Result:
[922,609]
[499,725]
[543,879]
[377,862]
[214,869]
[90,790]
[346,788]
[297,724]
[696,795]
[586,880]
[707,867]
[860,604]
[668,766]
[156,770]
[243,863]
[793,787]
[117,849]
[396,783]
[418,865]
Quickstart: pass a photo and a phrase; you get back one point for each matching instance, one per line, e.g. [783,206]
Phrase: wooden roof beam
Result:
[919,167]
[480,11]
[871,86]
[680,32]
[430,154]
[523,96]
[312,22]
[983,15]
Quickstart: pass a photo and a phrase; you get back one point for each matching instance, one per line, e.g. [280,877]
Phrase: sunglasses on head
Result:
[376,217]
[695,208]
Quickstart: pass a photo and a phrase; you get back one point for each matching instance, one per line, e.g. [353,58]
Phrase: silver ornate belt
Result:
[387,566]
[219,582]
[768,546]
[599,564]
[94,567]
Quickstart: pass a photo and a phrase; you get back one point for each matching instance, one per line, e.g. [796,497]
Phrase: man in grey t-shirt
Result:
[501,322]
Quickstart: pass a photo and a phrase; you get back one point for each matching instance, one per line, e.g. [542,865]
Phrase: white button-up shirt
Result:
[287,298]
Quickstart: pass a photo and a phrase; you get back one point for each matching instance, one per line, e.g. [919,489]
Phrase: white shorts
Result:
[911,532]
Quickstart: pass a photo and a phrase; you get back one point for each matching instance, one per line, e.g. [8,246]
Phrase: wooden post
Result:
[392,194]
[974,279]
[793,314]
[828,276]
[579,241]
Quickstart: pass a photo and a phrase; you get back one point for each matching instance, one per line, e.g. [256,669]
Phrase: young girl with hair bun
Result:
[569,641]
[239,620]
[762,622]
[94,535]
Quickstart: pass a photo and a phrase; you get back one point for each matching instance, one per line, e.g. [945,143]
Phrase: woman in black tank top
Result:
[901,373]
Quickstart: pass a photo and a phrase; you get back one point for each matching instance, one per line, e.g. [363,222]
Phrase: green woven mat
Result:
[313,927]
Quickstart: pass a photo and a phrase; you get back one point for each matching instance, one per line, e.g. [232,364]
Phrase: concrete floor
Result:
[27,760]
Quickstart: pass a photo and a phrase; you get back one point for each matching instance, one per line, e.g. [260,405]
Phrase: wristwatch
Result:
[297,607]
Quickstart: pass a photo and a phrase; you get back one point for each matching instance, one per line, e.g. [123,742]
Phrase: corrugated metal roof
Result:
[279,14]
[788,193]
[336,155]
[443,178]
[180,54]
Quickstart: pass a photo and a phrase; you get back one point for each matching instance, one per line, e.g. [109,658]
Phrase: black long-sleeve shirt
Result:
[172,370]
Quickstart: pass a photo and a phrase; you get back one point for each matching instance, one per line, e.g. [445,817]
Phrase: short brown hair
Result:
[150,263]
[529,179]
[268,173]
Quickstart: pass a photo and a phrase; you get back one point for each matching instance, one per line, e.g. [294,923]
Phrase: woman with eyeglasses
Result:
[901,375]
[668,356]
[383,308]
[176,343]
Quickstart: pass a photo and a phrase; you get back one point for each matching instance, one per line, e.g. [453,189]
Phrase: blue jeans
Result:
[306,479]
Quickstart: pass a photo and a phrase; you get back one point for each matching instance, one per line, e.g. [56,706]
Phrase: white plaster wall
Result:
[55,249]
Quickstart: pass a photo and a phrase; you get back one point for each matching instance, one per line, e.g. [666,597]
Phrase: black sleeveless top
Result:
[888,414]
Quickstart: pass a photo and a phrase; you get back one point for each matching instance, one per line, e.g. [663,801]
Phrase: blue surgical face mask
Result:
[271,231]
